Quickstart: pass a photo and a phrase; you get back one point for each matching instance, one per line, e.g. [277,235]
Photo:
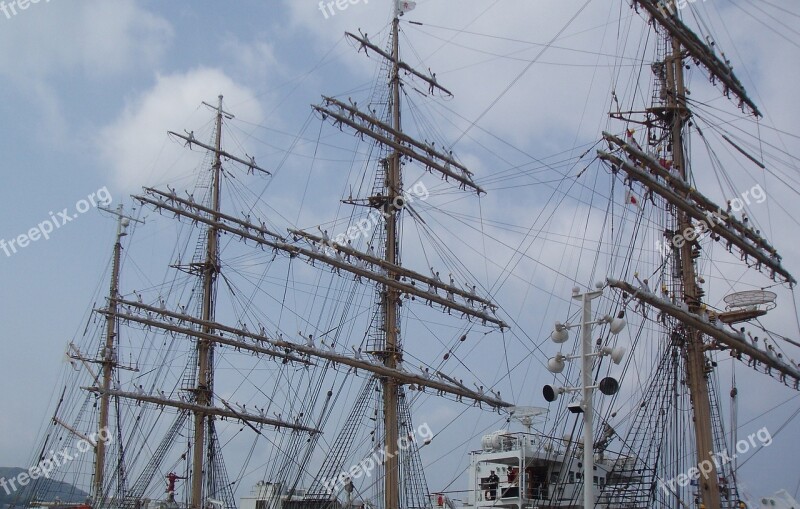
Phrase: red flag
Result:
[631,199]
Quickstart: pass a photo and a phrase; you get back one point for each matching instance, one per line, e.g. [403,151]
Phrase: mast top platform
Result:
[528,415]
[747,305]
[751,298]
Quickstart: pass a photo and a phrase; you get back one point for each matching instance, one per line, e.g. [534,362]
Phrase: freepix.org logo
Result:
[376,459]
[55,460]
[55,221]
[10,8]
[704,226]
[364,226]
[761,437]
[337,5]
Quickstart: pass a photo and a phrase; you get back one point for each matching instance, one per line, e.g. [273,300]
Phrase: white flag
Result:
[404,6]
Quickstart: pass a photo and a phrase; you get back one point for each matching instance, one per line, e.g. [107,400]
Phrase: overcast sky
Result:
[91,87]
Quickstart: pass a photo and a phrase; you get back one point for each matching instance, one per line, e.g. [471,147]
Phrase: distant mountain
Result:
[64,491]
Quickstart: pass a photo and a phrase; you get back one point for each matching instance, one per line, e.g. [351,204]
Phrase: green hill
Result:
[64,491]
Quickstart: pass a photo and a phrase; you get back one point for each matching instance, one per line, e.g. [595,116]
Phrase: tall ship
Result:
[282,363]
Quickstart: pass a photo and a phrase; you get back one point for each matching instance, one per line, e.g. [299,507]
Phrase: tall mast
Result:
[393,279]
[205,348]
[393,350]
[694,351]
[205,330]
[109,359]
[689,206]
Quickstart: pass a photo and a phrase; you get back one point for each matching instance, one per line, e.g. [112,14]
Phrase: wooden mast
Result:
[109,360]
[682,42]
[391,296]
[694,349]
[205,348]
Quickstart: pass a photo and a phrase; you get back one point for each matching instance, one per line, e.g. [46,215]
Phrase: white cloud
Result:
[92,36]
[131,144]
[254,61]
[49,42]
